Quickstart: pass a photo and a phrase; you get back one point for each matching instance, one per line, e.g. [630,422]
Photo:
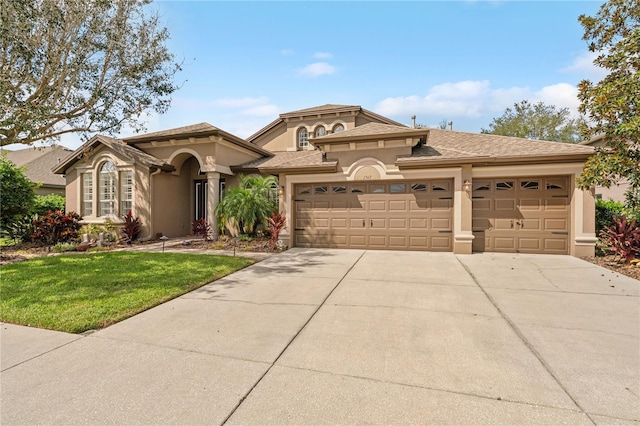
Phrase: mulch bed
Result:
[613,263]
[25,251]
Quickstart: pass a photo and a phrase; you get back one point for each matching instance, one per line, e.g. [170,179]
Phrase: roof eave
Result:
[323,140]
[409,163]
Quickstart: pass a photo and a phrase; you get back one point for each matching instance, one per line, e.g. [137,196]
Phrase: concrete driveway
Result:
[342,337]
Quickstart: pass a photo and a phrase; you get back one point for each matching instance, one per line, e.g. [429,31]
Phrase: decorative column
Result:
[462,205]
[213,196]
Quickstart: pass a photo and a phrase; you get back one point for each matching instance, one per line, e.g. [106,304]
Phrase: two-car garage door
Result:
[529,215]
[408,215]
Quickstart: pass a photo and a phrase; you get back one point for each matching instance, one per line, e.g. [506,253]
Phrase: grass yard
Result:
[80,292]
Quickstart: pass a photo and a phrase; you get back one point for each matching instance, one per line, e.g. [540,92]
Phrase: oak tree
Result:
[537,121]
[80,66]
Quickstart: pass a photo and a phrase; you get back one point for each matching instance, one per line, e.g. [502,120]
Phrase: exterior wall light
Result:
[466,185]
[281,191]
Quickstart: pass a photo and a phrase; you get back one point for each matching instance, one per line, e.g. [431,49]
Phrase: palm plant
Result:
[248,204]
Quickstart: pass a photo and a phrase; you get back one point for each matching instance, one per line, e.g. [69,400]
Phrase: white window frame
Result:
[125,177]
[303,137]
[87,194]
[107,189]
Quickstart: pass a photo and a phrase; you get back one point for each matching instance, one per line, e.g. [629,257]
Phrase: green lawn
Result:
[80,292]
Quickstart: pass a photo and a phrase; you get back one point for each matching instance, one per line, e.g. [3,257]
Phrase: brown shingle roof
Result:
[373,130]
[116,146]
[288,160]
[39,163]
[190,130]
[322,109]
[443,145]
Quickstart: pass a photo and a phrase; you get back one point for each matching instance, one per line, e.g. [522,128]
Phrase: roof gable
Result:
[39,163]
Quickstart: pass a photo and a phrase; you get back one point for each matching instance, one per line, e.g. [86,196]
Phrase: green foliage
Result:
[537,121]
[612,103]
[75,293]
[201,227]
[605,211]
[69,66]
[249,204]
[131,227]
[245,238]
[276,224]
[16,191]
[21,229]
[55,227]
[623,238]
[64,247]
[50,202]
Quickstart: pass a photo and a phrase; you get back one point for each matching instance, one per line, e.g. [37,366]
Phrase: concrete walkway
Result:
[347,336]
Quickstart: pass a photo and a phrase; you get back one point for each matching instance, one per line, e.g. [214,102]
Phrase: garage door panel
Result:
[556,224]
[441,242]
[481,204]
[397,205]
[528,214]
[441,204]
[533,204]
[418,224]
[392,215]
[441,224]
[397,241]
[397,223]
[338,223]
[505,204]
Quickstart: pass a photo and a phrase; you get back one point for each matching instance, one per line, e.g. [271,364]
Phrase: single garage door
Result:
[521,215]
[408,215]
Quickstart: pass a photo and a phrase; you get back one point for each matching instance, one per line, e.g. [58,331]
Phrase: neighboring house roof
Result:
[116,146]
[193,131]
[369,130]
[289,161]
[445,146]
[39,162]
[322,109]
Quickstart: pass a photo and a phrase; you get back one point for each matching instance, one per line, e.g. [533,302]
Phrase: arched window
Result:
[107,189]
[320,131]
[338,128]
[303,138]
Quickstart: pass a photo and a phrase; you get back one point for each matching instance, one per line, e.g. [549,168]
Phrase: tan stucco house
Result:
[349,178]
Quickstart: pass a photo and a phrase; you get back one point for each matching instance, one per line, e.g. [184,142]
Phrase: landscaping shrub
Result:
[46,203]
[17,193]
[623,238]
[20,229]
[131,228]
[64,247]
[276,224]
[55,227]
[201,228]
[605,211]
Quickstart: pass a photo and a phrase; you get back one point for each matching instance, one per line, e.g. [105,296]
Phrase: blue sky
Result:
[466,61]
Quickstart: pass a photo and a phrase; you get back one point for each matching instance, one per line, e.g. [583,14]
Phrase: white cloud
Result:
[583,65]
[244,102]
[322,55]
[474,99]
[317,69]
[268,110]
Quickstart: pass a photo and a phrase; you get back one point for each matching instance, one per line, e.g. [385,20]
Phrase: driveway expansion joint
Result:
[415,386]
[526,342]
[246,395]
[80,336]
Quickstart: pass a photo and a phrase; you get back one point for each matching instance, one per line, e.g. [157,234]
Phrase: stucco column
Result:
[213,196]
[462,205]
[285,207]
[584,220]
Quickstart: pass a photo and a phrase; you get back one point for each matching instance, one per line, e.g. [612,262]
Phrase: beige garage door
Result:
[521,215]
[409,215]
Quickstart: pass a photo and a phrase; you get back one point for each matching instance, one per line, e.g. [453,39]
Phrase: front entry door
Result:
[200,193]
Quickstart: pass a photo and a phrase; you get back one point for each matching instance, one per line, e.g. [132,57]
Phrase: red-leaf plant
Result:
[623,238]
[201,227]
[131,228]
[276,224]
